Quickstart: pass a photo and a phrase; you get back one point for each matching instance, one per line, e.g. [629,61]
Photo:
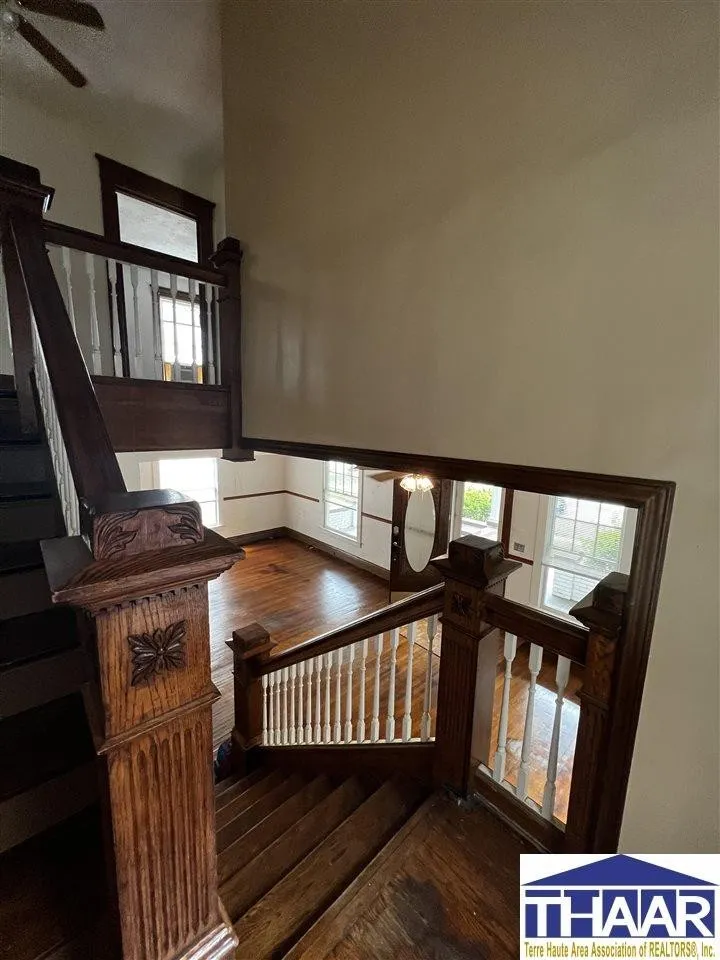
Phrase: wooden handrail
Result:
[421,605]
[93,463]
[64,236]
[551,633]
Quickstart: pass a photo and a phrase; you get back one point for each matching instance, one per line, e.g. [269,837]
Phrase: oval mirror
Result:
[419,529]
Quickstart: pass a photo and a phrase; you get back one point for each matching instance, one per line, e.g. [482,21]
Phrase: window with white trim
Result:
[584,541]
[196,478]
[341,499]
[477,509]
[181,336]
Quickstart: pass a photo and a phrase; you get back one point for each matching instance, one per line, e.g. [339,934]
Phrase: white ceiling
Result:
[161,57]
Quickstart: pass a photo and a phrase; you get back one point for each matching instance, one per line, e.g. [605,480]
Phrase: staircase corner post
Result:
[228,258]
[251,646]
[141,575]
[472,568]
[602,612]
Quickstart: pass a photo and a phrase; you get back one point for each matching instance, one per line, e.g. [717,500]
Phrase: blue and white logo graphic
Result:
[619,906]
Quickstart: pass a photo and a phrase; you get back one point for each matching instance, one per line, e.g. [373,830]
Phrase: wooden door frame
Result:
[653,500]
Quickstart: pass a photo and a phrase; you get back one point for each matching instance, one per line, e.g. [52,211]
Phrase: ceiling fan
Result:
[76,11]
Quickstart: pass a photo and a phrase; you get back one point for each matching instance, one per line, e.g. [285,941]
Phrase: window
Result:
[584,541]
[181,337]
[478,510]
[341,499]
[146,211]
[196,478]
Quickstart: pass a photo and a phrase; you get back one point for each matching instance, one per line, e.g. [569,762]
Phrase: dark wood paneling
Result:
[157,415]
[629,491]
[348,759]
[517,815]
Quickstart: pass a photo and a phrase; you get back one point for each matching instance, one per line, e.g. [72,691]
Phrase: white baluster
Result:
[208,294]
[337,728]
[292,731]
[407,716]
[271,709]
[67,270]
[501,752]
[157,325]
[361,698]
[390,722]
[278,715]
[431,624]
[301,703]
[195,351]
[94,325]
[5,312]
[562,675]
[117,353]
[285,706]
[375,721]
[524,772]
[265,735]
[176,347]
[327,730]
[136,321]
[348,697]
[317,730]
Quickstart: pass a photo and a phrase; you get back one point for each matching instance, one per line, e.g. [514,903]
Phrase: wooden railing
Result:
[139,573]
[370,682]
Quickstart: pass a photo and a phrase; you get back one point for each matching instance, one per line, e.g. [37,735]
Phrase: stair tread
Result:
[227,789]
[257,811]
[42,743]
[321,938]
[20,555]
[36,635]
[23,592]
[239,853]
[241,801]
[36,490]
[247,885]
[270,927]
[52,887]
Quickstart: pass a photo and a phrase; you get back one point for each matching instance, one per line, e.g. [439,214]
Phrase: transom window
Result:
[584,541]
[196,478]
[341,499]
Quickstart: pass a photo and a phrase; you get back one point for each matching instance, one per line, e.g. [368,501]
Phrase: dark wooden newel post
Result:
[143,582]
[250,645]
[473,568]
[602,613]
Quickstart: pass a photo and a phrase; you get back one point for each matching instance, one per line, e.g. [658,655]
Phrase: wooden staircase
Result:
[47,772]
[290,845]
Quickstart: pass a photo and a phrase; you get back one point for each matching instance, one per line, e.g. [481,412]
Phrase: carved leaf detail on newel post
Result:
[110,536]
[189,523]
[161,650]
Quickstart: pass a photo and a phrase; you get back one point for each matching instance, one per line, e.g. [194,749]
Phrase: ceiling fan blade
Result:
[74,10]
[51,53]
[384,475]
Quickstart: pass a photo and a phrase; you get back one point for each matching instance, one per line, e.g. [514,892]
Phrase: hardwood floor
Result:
[295,592]
[448,889]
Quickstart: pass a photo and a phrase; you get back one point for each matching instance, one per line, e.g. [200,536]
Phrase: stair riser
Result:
[29,520]
[23,593]
[20,463]
[33,684]
[35,810]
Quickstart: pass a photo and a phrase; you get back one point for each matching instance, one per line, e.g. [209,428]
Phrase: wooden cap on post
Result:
[601,611]
[476,561]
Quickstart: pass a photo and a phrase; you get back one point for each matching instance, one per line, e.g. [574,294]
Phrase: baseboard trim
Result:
[275,533]
[339,554]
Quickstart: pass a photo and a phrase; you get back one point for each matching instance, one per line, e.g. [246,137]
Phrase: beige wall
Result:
[497,224]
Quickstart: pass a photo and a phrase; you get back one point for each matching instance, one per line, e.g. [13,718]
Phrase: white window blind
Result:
[584,541]
[196,478]
[341,499]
